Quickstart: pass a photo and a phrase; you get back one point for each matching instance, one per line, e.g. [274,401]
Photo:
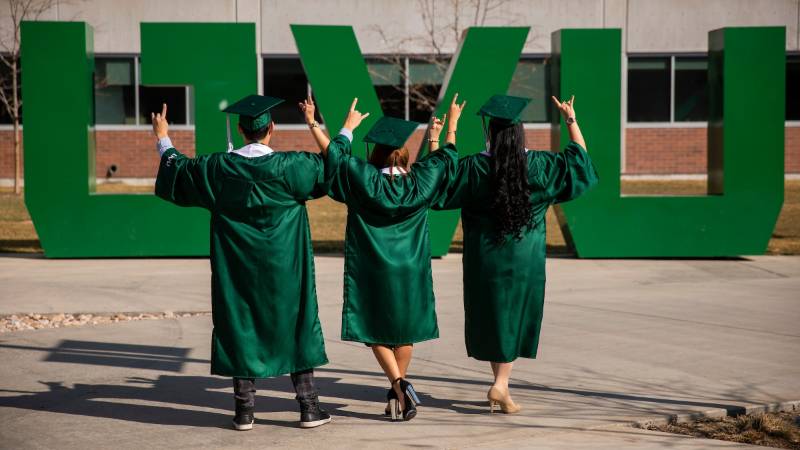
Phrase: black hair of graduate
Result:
[256,135]
[511,193]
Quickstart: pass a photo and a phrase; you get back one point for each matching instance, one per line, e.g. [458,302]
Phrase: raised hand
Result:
[455,109]
[354,117]
[565,107]
[308,108]
[436,127]
[160,125]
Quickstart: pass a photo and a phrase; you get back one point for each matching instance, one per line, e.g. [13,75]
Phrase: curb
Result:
[717,413]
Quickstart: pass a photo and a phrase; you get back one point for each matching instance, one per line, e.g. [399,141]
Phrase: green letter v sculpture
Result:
[482,66]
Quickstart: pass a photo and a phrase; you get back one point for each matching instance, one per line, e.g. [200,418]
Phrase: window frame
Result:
[668,124]
[793,54]
[546,57]
[189,125]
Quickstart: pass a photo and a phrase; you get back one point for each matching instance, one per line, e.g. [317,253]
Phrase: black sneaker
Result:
[311,415]
[243,421]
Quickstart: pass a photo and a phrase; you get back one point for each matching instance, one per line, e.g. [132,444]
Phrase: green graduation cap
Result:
[253,112]
[391,132]
[505,108]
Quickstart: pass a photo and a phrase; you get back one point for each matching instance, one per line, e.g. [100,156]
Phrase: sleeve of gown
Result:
[186,181]
[305,176]
[563,176]
[434,173]
[336,161]
[457,188]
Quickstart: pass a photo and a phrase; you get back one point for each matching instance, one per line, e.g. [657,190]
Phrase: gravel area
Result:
[24,322]
[772,429]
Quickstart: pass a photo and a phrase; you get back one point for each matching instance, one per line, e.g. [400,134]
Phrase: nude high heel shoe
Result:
[502,400]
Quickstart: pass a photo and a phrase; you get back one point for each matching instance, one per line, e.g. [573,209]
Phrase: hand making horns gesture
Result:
[565,107]
[354,117]
[455,110]
[307,107]
[160,126]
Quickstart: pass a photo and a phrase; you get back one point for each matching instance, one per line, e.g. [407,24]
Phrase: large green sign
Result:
[219,61]
[745,151]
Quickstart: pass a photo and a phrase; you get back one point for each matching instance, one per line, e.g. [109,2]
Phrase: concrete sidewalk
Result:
[623,341]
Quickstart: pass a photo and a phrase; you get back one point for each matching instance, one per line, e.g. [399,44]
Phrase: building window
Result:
[285,78]
[407,87]
[152,97]
[691,89]
[114,91]
[792,87]
[5,83]
[655,83]
[425,78]
[649,89]
[120,99]
[387,76]
[532,80]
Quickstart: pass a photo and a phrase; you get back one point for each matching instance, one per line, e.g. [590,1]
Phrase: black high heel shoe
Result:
[410,397]
[390,395]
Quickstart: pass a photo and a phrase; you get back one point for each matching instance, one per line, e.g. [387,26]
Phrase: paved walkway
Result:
[623,341]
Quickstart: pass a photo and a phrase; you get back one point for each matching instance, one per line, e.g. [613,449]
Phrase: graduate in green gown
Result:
[504,193]
[388,288]
[263,295]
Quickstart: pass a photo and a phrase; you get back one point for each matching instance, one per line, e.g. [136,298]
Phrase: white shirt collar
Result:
[488,153]
[253,150]
[393,170]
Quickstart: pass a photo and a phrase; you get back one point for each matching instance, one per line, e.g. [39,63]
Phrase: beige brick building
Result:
[664,46]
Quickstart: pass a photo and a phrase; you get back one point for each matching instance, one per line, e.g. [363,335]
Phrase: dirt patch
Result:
[772,429]
[25,322]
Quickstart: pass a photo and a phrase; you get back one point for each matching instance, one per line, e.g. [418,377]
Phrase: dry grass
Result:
[328,218]
[114,188]
[780,430]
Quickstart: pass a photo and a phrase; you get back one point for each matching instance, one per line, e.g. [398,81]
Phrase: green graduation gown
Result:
[388,286]
[504,285]
[263,295]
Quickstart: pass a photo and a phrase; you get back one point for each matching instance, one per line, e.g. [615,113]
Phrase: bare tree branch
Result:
[19,11]
[443,24]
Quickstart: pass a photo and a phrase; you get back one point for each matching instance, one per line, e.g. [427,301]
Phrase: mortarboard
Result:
[505,108]
[390,132]
[253,112]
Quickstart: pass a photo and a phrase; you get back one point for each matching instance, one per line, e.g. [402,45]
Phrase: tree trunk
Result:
[17,159]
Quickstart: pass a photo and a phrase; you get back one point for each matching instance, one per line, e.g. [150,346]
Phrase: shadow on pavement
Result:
[172,400]
[206,401]
[167,359]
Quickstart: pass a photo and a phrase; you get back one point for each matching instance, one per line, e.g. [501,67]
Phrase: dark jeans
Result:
[244,389]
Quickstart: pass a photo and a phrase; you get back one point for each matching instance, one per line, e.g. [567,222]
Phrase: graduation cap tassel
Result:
[228,131]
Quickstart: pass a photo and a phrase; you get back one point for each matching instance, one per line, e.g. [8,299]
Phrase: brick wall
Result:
[7,153]
[134,152]
[792,139]
[661,151]
[649,150]
[665,151]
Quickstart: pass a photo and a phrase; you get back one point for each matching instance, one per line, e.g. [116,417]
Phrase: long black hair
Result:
[511,193]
